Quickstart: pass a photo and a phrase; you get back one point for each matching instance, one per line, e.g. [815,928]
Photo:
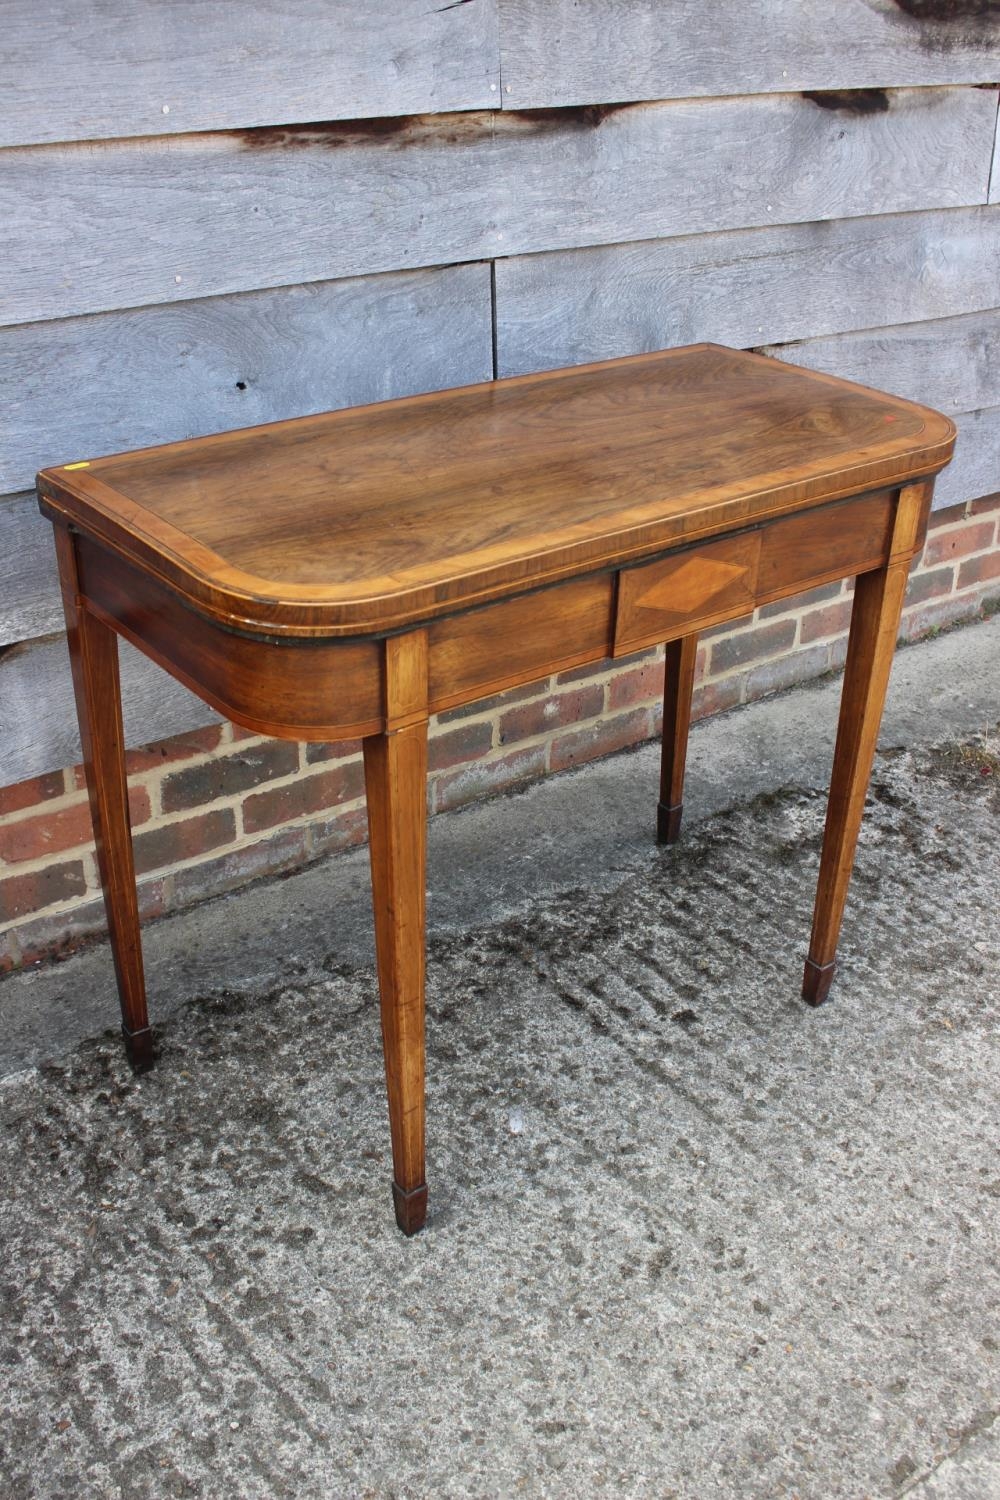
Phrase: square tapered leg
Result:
[678,688]
[93,650]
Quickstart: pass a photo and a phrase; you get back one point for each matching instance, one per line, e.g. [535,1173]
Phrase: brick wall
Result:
[219,807]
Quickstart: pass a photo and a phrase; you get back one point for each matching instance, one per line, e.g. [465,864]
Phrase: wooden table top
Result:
[369,519]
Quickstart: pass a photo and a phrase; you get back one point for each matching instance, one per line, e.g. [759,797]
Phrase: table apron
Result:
[336,689]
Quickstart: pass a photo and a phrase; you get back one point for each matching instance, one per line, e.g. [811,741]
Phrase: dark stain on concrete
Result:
[686,1017]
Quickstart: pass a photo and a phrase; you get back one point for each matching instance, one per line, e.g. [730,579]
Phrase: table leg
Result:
[93,651]
[396,786]
[678,686]
[878,603]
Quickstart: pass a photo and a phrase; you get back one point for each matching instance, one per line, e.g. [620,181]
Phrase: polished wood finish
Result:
[374,518]
[396,787]
[93,650]
[348,575]
[878,604]
[678,686]
[519,640]
[704,583]
[330,690]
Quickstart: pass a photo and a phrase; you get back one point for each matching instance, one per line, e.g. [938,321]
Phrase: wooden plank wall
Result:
[222,215]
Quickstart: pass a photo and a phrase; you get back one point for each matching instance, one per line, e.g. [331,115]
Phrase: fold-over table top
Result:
[367,520]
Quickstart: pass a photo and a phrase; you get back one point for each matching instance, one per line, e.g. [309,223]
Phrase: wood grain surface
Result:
[156,374]
[590,51]
[368,520]
[93,652]
[330,691]
[37,735]
[951,363]
[210,213]
[744,287]
[680,660]
[29,591]
[975,468]
[142,67]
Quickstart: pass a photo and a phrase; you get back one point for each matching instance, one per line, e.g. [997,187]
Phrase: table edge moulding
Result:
[348,575]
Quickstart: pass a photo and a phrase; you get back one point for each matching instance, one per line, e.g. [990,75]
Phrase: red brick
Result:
[344,830]
[139,810]
[985,505]
[591,669]
[30,793]
[949,516]
[168,752]
[281,851]
[468,742]
[228,774]
[22,894]
[979,569]
[55,935]
[546,714]
[726,627]
[58,935]
[183,839]
[716,697]
[752,645]
[820,623]
[498,701]
[774,676]
[642,684]
[483,777]
[800,601]
[602,738]
[957,543]
[45,833]
[332,750]
[53,832]
[306,794]
[938,614]
[929,585]
[599,669]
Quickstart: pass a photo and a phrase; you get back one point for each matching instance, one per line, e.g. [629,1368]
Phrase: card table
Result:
[345,576]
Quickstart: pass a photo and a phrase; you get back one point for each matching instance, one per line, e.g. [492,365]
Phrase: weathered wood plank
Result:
[744,287]
[951,363]
[101,68]
[975,469]
[38,730]
[79,387]
[107,225]
[29,589]
[593,51]
[995,173]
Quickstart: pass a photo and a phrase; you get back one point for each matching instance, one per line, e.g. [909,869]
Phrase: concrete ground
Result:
[687,1238]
